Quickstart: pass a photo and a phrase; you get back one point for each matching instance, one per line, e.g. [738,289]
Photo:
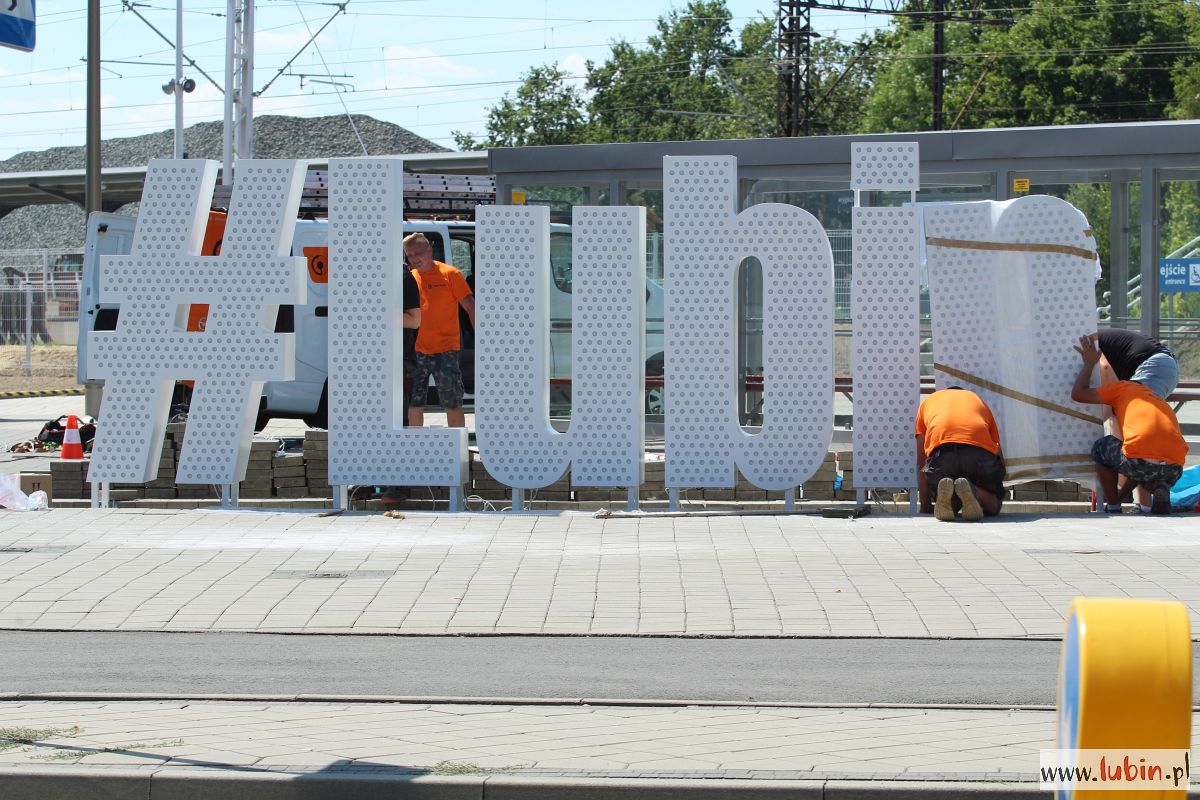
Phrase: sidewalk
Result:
[567,574]
[534,574]
[482,749]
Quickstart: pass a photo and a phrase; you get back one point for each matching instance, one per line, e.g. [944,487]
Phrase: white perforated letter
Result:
[706,240]
[885,356]
[605,442]
[367,443]
[238,350]
[1011,289]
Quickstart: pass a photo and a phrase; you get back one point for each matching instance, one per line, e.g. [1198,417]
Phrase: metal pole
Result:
[244,143]
[178,78]
[28,328]
[230,92]
[247,149]
[92,189]
[1149,223]
[939,61]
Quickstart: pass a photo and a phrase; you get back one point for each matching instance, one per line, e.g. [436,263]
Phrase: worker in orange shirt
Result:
[443,290]
[1151,450]
[958,451]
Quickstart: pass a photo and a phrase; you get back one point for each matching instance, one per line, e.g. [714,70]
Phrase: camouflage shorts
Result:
[1107,453]
[447,376]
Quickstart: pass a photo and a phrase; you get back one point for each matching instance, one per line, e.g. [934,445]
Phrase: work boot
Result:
[943,506]
[971,510]
[1161,502]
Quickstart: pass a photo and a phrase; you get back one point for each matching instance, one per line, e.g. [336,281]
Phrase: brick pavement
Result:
[580,741]
[575,574]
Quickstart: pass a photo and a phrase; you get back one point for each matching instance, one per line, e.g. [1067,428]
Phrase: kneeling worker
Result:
[1151,451]
[958,451]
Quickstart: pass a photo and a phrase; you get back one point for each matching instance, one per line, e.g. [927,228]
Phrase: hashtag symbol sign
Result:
[238,350]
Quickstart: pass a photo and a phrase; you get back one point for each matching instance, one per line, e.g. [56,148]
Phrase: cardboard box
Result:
[31,482]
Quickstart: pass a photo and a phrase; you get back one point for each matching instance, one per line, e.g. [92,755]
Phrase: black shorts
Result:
[981,467]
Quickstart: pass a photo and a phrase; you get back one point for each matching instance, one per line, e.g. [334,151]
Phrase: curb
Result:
[192,784]
[376,699]
[41,393]
[502,634]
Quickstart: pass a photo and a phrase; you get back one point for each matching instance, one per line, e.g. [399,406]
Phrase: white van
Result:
[305,397]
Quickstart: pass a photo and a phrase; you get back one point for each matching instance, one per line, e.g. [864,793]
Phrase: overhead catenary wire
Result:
[387,97]
[874,57]
[126,4]
[337,87]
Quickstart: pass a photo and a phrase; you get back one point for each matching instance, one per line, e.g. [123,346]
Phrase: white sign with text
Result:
[707,241]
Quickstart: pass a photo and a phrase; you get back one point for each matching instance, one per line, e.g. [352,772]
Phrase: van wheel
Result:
[654,401]
[654,394]
[321,418]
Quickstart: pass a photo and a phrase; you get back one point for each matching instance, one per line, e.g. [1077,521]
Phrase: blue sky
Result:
[429,65]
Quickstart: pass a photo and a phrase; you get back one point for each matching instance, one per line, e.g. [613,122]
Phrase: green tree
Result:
[1186,78]
[546,109]
[675,88]
[1103,61]
[692,80]
[902,97]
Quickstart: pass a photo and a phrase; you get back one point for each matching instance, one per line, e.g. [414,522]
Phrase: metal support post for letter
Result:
[100,495]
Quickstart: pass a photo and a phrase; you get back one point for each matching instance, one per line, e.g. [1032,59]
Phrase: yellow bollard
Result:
[1125,682]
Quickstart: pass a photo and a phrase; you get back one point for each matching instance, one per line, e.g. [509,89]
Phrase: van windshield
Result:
[560,260]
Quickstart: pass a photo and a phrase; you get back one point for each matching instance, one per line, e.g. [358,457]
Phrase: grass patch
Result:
[467,768]
[76,754]
[21,736]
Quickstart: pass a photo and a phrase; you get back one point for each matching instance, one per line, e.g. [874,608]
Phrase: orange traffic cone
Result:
[72,448]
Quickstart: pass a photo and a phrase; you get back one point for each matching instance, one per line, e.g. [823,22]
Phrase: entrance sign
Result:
[1179,275]
[17,26]
[706,241]
[236,352]
[367,441]
[1011,287]
[606,440]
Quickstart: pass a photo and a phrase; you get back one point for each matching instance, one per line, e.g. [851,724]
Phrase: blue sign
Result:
[16,24]
[1175,274]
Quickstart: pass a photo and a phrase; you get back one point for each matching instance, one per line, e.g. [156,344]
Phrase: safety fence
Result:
[39,318]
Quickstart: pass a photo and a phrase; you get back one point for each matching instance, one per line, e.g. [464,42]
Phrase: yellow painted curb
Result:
[42,393]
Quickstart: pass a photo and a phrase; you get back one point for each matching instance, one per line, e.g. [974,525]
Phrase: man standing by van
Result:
[443,291]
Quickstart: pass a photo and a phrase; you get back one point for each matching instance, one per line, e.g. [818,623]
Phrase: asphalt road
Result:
[793,670]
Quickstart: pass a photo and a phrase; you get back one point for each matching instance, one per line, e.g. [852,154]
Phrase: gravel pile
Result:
[53,226]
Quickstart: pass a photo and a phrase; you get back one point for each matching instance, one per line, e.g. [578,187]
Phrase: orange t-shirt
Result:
[1148,425]
[957,416]
[442,286]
